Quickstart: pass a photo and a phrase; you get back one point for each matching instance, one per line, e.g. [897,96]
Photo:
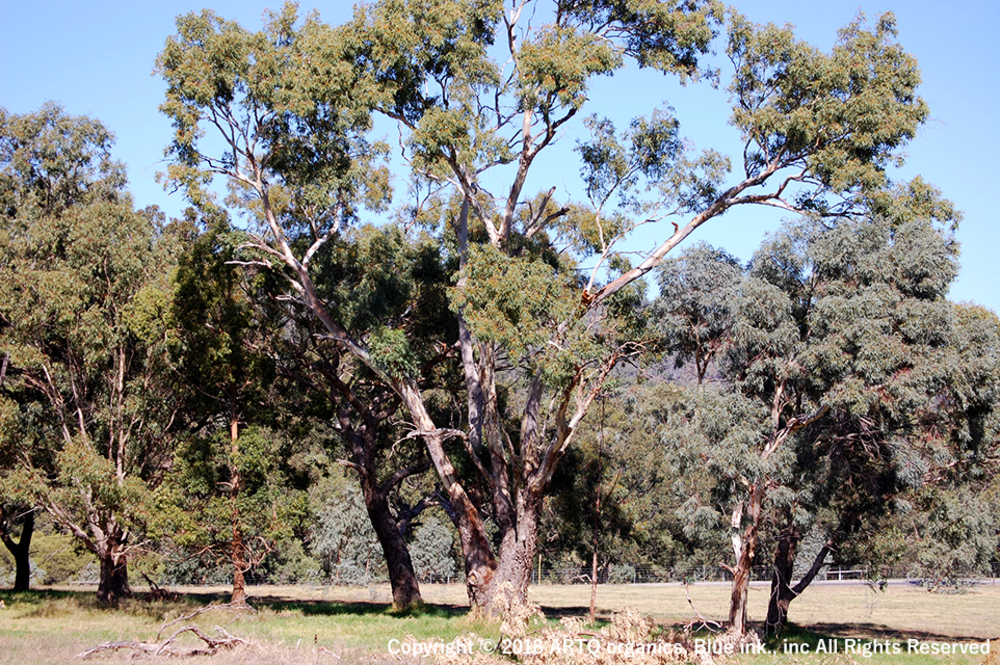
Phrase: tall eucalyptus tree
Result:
[87,418]
[479,89]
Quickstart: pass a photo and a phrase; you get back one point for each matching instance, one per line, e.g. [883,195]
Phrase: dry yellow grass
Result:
[52,631]
[903,608]
[836,608]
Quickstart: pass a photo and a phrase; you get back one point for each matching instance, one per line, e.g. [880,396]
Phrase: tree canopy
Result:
[544,299]
[88,415]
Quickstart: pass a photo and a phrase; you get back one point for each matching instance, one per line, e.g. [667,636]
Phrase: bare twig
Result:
[228,607]
[711,624]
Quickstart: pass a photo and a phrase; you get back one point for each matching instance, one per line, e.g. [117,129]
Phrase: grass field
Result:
[314,625]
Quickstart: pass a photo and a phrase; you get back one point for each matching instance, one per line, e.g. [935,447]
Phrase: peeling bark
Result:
[517,552]
[744,562]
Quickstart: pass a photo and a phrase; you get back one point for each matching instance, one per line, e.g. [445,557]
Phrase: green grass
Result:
[310,625]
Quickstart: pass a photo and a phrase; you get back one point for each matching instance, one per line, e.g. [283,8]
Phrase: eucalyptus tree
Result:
[951,529]
[86,416]
[479,89]
[391,290]
[878,351]
[840,356]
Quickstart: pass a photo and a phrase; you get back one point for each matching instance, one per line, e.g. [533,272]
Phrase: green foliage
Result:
[853,318]
[664,35]
[59,557]
[52,161]
[840,115]
[514,302]
[87,412]
[390,290]
[344,541]
[390,349]
[433,550]
[290,563]
[642,520]
[194,509]
[650,156]
[290,84]
[56,557]
[694,309]
[217,329]
[559,62]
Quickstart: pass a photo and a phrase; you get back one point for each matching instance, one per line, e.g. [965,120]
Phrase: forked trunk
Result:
[480,563]
[19,550]
[114,575]
[782,591]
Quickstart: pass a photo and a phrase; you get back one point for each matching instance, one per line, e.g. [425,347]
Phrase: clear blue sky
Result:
[96,58]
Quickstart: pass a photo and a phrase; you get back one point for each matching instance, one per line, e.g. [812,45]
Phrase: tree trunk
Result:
[19,550]
[480,563]
[781,590]
[359,431]
[402,579]
[239,596]
[238,551]
[745,553]
[593,585]
[782,594]
[593,559]
[114,575]
[740,592]
[517,553]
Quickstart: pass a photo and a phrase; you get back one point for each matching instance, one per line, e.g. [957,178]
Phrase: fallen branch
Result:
[212,644]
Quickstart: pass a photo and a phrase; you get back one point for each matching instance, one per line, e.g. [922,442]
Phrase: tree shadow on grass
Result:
[335,608]
[35,596]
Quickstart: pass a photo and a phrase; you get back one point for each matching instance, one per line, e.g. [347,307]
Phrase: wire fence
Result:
[629,574]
